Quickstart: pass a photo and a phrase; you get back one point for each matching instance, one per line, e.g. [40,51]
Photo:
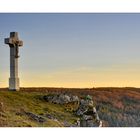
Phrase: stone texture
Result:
[61,99]
[86,111]
[14,84]
[88,114]
[35,117]
[14,44]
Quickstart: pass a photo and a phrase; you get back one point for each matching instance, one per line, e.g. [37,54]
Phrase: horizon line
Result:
[74,87]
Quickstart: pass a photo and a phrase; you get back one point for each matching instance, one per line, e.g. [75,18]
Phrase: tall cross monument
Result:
[14,44]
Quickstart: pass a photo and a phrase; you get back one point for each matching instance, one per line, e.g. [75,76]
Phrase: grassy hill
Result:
[26,108]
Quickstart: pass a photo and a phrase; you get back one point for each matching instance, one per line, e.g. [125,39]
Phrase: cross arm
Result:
[12,41]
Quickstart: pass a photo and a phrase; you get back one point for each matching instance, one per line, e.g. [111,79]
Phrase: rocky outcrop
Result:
[88,114]
[61,99]
[35,117]
[86,111]
[31,115]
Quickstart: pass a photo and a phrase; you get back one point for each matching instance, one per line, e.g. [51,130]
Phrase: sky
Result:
[73,50]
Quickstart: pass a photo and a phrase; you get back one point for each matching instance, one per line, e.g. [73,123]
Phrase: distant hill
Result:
[117,107]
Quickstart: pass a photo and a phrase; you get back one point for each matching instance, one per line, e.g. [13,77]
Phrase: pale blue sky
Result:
[73,50]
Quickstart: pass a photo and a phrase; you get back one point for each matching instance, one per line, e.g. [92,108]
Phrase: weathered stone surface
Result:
[61,99]
[88,114]
[35,117]
[88,123]
[78,123]
[49,116]
[84,106]
[14,44]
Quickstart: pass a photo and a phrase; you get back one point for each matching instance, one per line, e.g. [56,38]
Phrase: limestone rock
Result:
[61,99]
[35,117]
[84,106]
[49,116]
[88,114]
[86,111]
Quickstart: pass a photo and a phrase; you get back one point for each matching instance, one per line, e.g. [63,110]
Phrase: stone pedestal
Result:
[14,84]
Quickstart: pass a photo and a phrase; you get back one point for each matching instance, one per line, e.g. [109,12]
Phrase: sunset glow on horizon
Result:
[73,50]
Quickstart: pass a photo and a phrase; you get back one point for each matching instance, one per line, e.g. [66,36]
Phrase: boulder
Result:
[61,99]
[88,114]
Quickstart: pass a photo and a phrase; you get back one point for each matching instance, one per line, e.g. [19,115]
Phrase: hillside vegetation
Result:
[117,107]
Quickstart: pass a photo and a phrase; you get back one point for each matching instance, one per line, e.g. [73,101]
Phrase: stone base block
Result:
[14,84]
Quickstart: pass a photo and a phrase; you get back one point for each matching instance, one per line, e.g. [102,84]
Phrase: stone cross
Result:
[14,44]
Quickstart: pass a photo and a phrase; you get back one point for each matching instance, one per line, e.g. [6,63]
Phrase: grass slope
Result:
[16,102]
[117,107]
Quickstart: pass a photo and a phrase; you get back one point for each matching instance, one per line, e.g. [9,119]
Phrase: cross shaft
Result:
[14,44]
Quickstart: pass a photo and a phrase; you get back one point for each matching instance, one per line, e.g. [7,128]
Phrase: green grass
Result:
[15,102]
[115,106]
